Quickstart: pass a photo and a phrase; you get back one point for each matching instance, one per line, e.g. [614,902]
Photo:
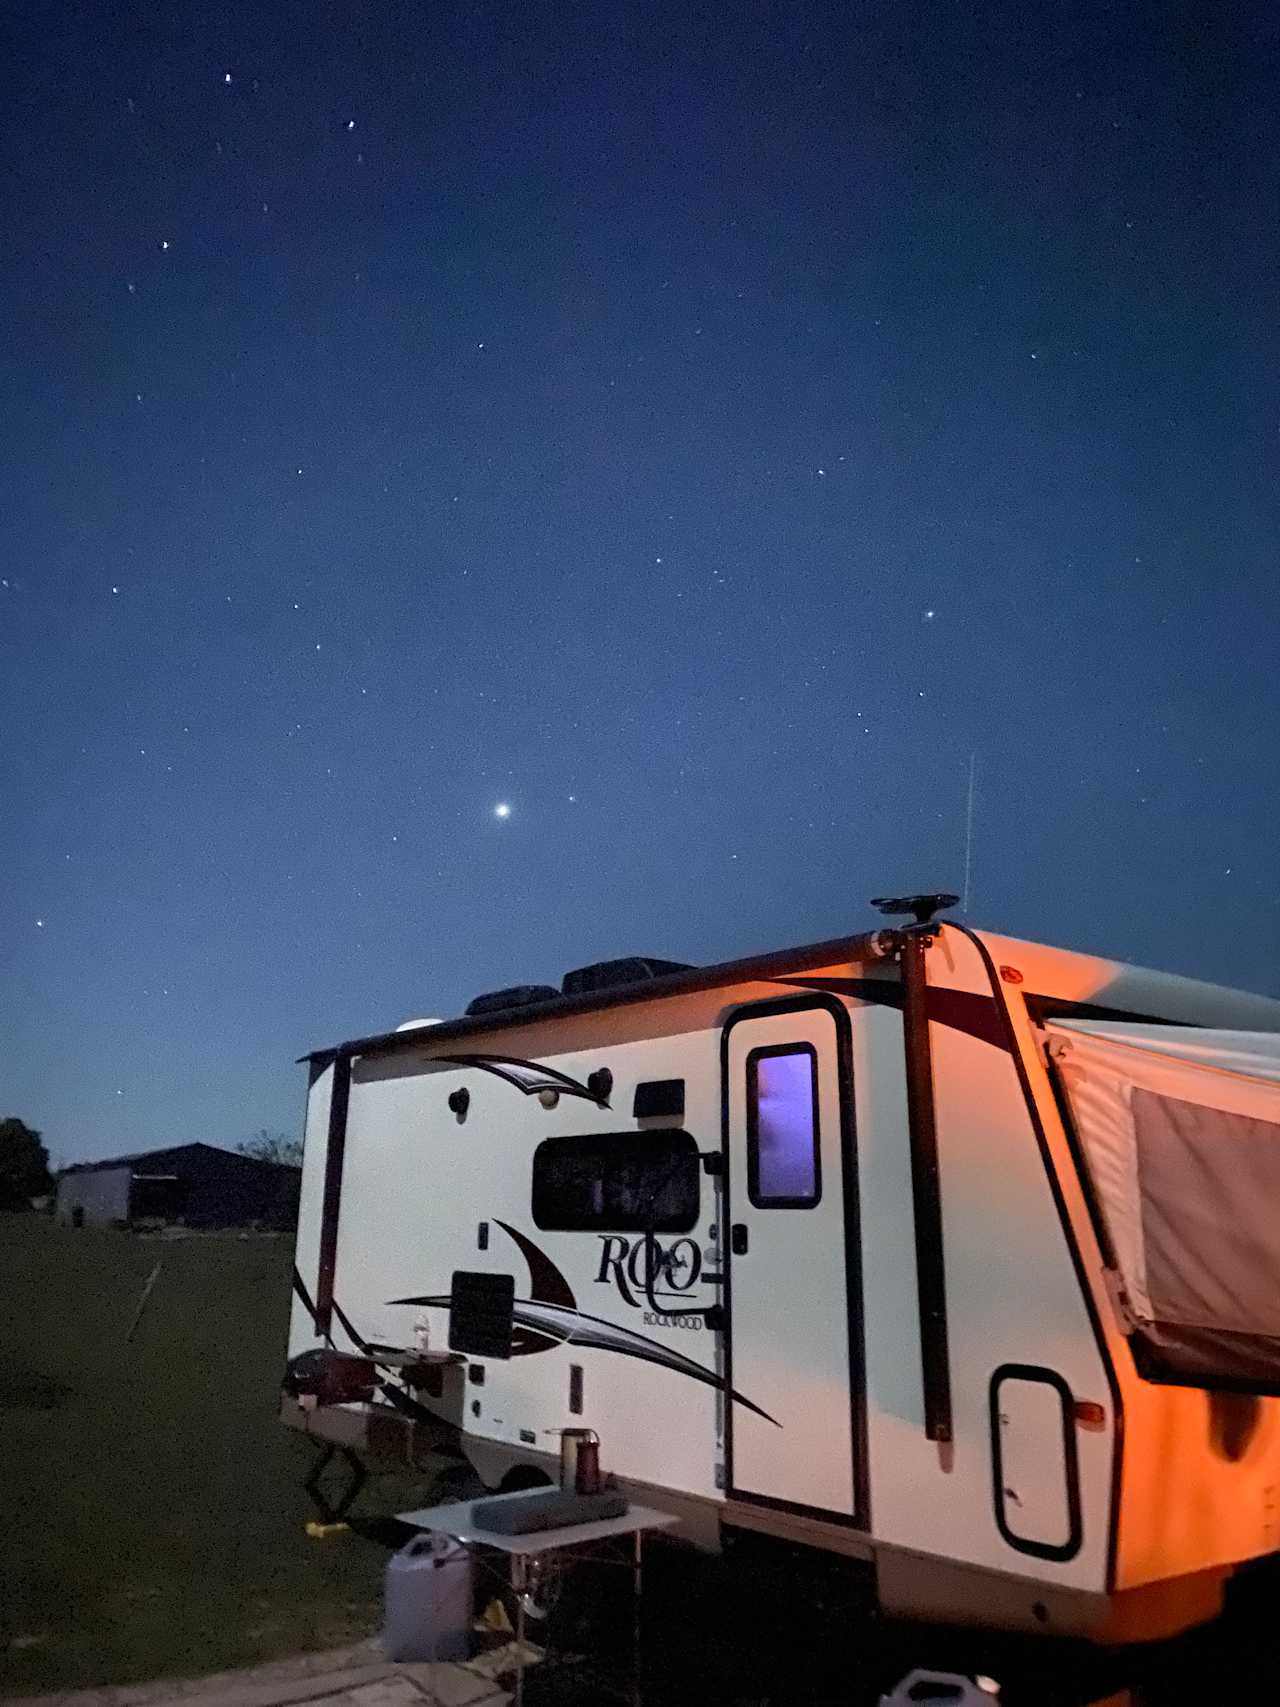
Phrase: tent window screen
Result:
[1210,1183]
[617,1182]
[783,1170]
[1179,1133]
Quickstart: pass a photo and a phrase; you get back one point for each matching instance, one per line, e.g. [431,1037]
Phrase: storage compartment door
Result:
[1033,1461]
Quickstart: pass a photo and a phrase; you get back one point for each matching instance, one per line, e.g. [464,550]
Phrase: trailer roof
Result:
[753,969]
[1055,981]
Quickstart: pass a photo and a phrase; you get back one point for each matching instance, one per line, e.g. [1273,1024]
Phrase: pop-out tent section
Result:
[1179,1133]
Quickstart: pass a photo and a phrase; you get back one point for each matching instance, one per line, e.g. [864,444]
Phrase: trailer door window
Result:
[783,1170]
[617,1182]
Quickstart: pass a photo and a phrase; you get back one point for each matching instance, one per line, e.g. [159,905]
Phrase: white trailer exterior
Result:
[899,1328]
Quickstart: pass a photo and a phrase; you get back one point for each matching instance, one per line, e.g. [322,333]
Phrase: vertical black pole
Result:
[339,1096]
[926,1192]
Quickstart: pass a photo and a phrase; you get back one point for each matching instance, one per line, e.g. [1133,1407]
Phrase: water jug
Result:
[428,1600]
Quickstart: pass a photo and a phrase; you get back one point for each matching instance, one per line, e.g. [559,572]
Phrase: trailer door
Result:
[794,1315]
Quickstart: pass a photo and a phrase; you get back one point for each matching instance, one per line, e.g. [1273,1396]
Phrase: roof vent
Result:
[606,974]
[417,1024]
[518,996]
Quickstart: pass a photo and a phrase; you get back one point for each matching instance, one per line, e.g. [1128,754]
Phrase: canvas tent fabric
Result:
[1179,1128]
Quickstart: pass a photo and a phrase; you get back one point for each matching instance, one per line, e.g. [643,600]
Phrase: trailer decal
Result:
[575,1327]
[550,1317]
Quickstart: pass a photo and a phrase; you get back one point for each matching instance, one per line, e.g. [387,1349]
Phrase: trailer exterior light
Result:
[1011,975]
[1089,1414]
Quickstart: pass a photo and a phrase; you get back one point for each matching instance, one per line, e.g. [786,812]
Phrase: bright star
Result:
[502,810]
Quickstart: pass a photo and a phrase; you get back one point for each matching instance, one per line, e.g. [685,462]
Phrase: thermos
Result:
[580,1461]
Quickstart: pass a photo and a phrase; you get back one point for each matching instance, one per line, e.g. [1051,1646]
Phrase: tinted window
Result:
[782,1127]
[617,1182]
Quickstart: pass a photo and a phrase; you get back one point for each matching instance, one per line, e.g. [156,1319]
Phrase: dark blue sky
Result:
[584,407]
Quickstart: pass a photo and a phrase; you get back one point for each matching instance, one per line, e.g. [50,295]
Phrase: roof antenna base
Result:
[921,907]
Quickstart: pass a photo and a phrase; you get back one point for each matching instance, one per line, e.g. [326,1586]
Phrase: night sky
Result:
[695,429]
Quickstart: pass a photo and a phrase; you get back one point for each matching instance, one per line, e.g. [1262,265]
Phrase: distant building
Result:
[195,1184]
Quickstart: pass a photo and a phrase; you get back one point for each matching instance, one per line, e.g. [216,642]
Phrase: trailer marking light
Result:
[1011,975]
[1089,1414]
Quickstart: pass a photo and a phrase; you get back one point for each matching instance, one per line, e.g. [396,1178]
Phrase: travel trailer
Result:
[954,1254]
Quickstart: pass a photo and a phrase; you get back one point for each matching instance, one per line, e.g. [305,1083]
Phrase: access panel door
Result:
[794,1319]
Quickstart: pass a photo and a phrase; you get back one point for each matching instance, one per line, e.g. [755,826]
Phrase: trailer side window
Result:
[617,1182]
[783,1169]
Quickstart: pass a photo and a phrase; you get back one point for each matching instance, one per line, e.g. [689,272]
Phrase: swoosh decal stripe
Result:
[575,1327]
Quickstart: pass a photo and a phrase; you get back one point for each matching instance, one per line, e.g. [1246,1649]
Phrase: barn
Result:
[195,1184]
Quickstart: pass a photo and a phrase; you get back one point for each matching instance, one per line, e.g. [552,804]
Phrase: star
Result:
[502,810]
[39,924]
[226,77]
[929,615]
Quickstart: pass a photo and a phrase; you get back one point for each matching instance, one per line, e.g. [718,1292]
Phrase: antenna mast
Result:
[968,835]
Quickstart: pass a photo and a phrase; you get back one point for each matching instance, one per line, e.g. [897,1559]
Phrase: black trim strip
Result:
[1070,1462]
[1073,1248]
[1042,1008]
[339,1098]
[356,1339]
[861,1515]
[962,1010]
[304,1297]
[926,1191]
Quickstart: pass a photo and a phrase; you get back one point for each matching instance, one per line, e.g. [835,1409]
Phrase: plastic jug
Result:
[428,1600]
[942,1689]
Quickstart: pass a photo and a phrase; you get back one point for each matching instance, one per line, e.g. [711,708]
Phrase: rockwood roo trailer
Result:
[955,1254]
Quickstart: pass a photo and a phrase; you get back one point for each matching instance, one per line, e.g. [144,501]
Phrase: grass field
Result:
[151,1514]
[151,1511]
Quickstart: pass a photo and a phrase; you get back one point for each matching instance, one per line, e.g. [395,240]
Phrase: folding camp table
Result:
[458,1522]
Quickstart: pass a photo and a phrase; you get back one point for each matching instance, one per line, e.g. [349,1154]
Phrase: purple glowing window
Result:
[782,1127]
